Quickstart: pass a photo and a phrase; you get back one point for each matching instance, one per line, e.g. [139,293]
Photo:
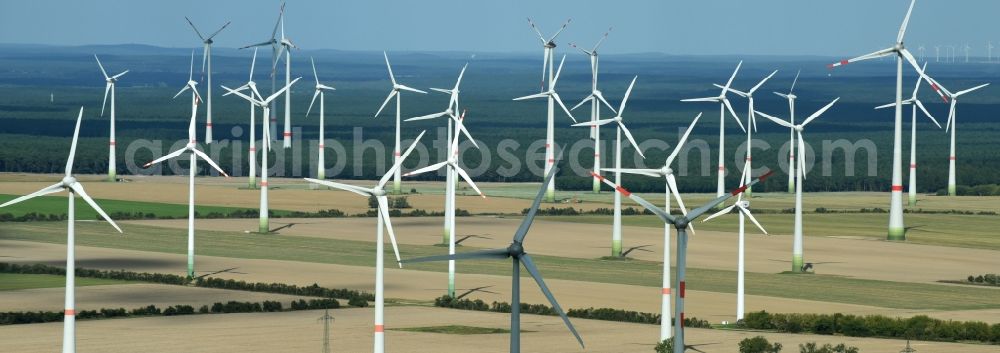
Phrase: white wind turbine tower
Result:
[596,98]
[206,61]
[192,148]
[751,124]
[967,47]
[797,260]
[274,44]
[920,52]
[937,53]
[395,93]
[286,48]
[790,96]
[743,209]
[723,106]
[989,52]
[670,188]
[548,60]
[915,102]
[379,192]
[453,168]
[252,152]
[616,228]
[897,230]
[320,88]
[110,87]
[951,126]
[70,184]
[254,97]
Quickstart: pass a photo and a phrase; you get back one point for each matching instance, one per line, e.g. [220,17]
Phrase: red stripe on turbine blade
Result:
[666,291]
[844,62]
[897,188]
[623,190]
[379,328]
[830,66]
[598,176]
[766,175]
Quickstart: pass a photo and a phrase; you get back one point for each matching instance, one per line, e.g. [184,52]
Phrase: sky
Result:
[687,27]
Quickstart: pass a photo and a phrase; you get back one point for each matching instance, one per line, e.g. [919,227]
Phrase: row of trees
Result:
[606,314]
[919,327]
[31,317]
[759,344]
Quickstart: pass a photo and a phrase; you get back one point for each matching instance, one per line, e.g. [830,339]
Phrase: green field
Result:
[46,205]
[356,253]
[15,281]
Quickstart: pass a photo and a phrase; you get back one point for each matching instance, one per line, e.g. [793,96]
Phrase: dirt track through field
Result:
[351,332]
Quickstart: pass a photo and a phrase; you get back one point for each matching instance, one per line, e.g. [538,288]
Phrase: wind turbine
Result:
[790,96]
[286,48]
[379,192]
[516,252]
[669,189]
[254,98]
[989,52]
[897,230]
[453,168]
[743,209]
[797,261]
[252,152]
[207,61]
[548,58]
[320,88]
[274,44]
[450,178]
[616,231]
[110,87]
[920,52]
[596,98]
[937,53]
[751,122]
[682,224]
[192,148]
[395,92]
[723,106]
[915,102]
[967,47]
[70,184]
[950,126]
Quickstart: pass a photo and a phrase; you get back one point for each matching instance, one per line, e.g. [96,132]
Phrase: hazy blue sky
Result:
[842,27]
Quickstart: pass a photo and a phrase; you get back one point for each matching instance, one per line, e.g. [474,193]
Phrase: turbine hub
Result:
[681,223]
[618,118]
[745,203]
[378,191]
[798,128]
[209,41]
[550,44]
[68,180]
[899,46]
[515,249]
[666,170]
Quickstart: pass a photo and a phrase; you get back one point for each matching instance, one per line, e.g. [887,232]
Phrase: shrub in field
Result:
[759,344]
[665,346]
[811,347]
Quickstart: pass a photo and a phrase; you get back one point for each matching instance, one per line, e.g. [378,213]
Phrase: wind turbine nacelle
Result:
[68,180]
[744,203]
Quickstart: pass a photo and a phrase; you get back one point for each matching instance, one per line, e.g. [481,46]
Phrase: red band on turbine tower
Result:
[263,183]
[287,134]
[951,158]
[666,291]
[321,146]
[897,188]
[722,168]
[379,328]
[112,143]
[70,312]
[683,289]
[208,124]
[253,149]
[914,165]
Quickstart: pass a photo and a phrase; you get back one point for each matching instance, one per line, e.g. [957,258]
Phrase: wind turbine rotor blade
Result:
[411,89]
[666,217]
[600,97]
[281,17]
[646,172]
[168,156]
[209,161]
[755,88]
[389,66]
[778,121]
[721,212]
[241,95]
[399,161]
[706,99]
[869,56]
[555,79]
[442,90]
[782,95]
[533,96]
[819,112]
[746,212]
[253,63]
[601,41]
[78,189]
[890,105]
[921,106]
[959,93]
[951,116]
[204,57]
[535,28]
[628,92]
[383,208]
[796,80]
[672,181]
[522,230]
[630,139]
[72,148]
[281,52]
[51,189]
[468,180]
[731,78]
[585,100]
[429,168]
[530,266]
[680,143]
[282,90]
[101,66]
[220,30]
[261,44]
[559,100]
[595,122]
[729,107]
[496,254]
[392,93]
[730,90]
[802,155]
[186,87]
[428,116]
[311,102]
[468,136]
[120,74]
[316,75]
[561,29]
[345,187]
[694,214]
[906,21]
[461,74]
[107,88]
[195,28]
[913,62]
